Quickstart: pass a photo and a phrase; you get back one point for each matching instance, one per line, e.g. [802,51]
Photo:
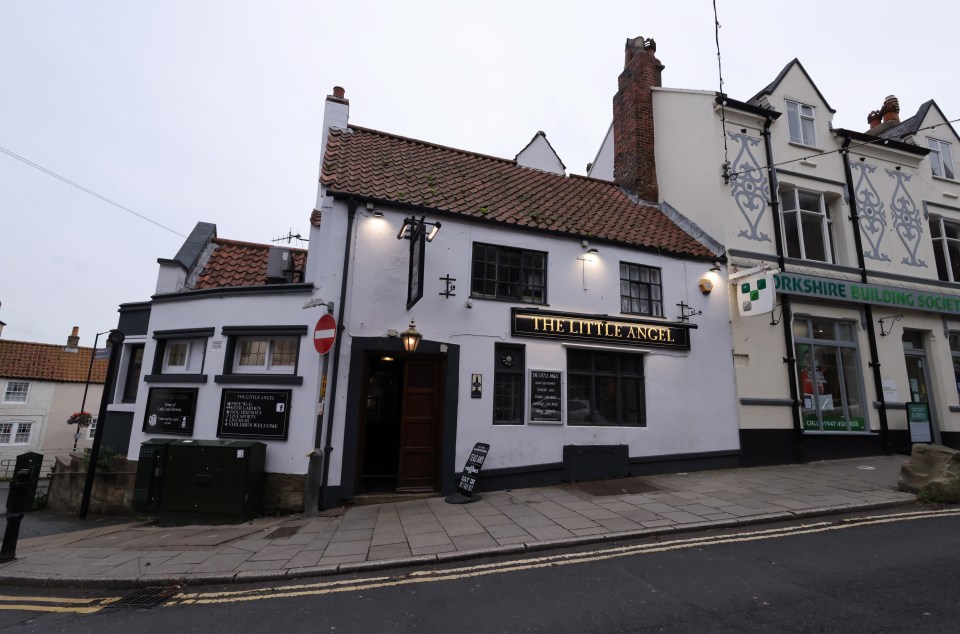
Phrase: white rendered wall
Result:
[287,456]
[690,400]
[35,410]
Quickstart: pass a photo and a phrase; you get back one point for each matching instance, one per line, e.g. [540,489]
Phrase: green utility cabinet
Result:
[146,488]
[212,482]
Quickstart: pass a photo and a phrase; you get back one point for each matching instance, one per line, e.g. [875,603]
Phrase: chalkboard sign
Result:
[471,470]
[260,414]
[170,411]
[918,416]
[545,396]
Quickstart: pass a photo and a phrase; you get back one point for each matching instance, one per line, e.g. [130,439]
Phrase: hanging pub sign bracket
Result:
[686,312]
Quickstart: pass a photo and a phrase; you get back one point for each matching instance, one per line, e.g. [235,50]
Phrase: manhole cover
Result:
[284,531]
[145,598]
[622,486]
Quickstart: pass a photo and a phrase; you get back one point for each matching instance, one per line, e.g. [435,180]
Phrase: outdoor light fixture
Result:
[377,214]
[412,226]
[411,338]
[592,251]
[716,267]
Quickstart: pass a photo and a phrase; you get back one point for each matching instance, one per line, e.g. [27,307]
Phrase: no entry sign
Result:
[324,333]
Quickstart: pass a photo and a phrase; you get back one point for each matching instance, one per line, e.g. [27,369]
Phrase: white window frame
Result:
[941,246]
[192,359]
[797,114]
[10,391]
[941,159]
[268,366]
[16,428]
[826,223]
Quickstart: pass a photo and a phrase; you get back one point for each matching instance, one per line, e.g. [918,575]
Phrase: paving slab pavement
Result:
[390,535]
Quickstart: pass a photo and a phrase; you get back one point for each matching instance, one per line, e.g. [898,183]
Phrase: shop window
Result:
[15,433]
[641,292]
[16,392]
[941,158]
[800,120]
[605,388]
[508,384]
[510,274]
[955,357]
[828,371]
[946,248]
[807,227]
[131,381]
[262,354]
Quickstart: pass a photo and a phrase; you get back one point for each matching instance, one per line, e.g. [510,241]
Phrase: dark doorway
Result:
[400,422]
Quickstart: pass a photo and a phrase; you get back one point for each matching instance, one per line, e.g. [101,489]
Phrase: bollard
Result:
[17,499]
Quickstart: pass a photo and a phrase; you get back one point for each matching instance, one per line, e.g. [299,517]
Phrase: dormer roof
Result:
[772,86]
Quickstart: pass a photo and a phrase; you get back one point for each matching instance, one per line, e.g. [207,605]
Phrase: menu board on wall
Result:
[545,396]
[170,411]
[260,414]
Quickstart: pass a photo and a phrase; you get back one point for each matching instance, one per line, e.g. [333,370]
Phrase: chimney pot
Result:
[338,92]
[891,109]
[73,340]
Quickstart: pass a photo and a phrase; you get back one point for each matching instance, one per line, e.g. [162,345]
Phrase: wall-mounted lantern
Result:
[411,338]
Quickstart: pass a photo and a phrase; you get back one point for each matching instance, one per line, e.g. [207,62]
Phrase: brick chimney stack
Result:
[634,164]
[73,340]
[891,109]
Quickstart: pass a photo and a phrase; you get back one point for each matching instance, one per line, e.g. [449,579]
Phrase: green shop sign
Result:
[855,423]
[858,292]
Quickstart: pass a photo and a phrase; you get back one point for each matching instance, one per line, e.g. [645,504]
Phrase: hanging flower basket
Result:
[80,419]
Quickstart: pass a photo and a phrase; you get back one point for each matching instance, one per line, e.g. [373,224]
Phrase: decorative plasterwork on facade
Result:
[906,218]
[749,187]
[873,222]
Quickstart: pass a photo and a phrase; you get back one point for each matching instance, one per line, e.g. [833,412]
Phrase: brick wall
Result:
[634,161]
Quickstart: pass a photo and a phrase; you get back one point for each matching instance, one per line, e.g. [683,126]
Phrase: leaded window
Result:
[641,290]
[511,274]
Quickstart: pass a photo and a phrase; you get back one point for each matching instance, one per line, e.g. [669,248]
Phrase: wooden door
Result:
[419,425]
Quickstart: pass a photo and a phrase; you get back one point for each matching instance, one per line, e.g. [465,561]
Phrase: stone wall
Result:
[112,487]
[283,493]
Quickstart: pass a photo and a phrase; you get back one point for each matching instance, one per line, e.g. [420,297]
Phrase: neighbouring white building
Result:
[41,385]
[862,231]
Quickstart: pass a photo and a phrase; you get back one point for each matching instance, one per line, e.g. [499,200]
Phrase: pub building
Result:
[578,330]
[858,349]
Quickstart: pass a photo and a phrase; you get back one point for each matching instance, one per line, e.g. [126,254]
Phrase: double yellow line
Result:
[92,605]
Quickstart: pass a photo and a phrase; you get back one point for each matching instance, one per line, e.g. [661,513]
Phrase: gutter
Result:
[352,205]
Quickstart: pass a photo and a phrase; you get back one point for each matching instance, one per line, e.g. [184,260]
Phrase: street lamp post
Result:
[86,386]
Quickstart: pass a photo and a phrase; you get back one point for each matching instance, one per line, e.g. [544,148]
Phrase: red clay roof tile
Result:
[381,166]
[48,362]
[236,263]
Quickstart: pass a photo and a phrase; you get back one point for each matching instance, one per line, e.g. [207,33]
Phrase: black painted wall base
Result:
[766,447]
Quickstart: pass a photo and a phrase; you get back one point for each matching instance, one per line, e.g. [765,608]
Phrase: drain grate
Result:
[284,531]
[622,486]
[145,598]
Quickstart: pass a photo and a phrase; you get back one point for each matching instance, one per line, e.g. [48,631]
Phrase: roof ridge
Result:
[435,145]
[59,346]
[244,243]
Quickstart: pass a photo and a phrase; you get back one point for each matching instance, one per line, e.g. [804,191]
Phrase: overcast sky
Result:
[187,111]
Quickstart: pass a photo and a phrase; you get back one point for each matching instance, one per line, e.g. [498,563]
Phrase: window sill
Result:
[175,378]
[609,425]
[944,179]
[814,432]
[805,146]
[266,379]
[508,301]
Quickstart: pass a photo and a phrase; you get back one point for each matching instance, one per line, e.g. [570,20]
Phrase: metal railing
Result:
[7,466]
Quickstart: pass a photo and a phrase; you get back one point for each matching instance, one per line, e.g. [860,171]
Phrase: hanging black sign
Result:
[170,411]
[418,243]
[544,396]
[260,414]
[527,322]
[471,470]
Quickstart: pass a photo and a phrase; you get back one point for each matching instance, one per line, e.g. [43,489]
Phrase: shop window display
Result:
[829,376]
